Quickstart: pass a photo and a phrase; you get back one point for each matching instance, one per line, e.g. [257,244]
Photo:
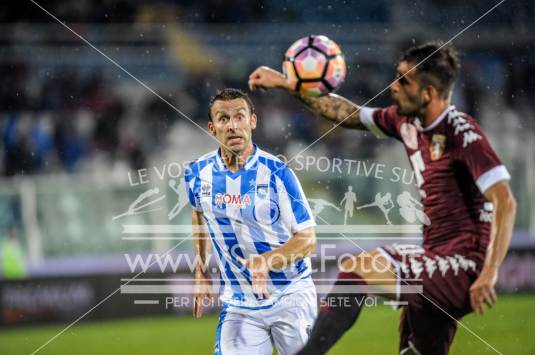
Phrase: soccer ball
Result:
[314,66]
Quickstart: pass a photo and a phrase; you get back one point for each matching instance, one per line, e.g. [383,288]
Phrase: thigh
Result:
[444,280]
[240,334]
[429,319]
[293,320]
[377,269]
[425,330]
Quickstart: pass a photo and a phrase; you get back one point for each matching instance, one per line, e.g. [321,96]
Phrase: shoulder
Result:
[272,162]
[390,111]
[463,130]
[277,167]
[194,167]
[383,122]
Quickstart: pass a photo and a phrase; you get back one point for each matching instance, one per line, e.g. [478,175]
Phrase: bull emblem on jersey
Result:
[437,146]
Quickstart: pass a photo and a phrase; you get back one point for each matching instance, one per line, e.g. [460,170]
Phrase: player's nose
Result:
[232,125]
[394,89]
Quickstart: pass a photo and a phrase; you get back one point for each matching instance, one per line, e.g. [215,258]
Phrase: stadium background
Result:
[77,131]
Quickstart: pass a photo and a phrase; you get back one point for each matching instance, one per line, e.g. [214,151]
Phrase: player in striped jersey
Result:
[253,209]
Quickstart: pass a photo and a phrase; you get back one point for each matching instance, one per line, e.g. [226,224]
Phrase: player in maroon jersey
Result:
[464,192]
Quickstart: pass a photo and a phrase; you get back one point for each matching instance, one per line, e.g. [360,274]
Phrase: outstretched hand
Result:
[267,78]
[482,290]
[203,285]
[259,269]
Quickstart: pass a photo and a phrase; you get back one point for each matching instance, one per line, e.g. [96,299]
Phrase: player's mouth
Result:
[234,139]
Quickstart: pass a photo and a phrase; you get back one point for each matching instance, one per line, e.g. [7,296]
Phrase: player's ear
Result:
[211,128]
[427,94]
[253,121]
[433,92]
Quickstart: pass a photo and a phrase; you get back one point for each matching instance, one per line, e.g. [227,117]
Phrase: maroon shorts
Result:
[436,290]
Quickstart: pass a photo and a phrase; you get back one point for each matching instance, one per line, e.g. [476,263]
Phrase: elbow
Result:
[507,207]
[312,247]
[511,204]
[503,199]
[307,242]
[311,242]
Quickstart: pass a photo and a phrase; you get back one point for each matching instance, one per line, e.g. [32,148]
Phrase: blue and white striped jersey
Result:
[251,211]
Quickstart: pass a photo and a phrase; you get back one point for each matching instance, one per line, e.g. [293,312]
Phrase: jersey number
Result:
[418,166]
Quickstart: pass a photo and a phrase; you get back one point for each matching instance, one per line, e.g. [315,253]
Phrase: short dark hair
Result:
[438,65]
[229,94]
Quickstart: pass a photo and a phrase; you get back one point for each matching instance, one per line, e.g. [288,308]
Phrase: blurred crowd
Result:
[59,122]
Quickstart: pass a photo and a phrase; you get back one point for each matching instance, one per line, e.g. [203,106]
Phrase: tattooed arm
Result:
[335,108]
[332,107]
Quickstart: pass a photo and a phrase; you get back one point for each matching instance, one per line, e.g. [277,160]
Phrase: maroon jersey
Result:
[454,165]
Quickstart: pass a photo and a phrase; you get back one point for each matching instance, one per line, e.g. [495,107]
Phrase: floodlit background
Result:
[82,139]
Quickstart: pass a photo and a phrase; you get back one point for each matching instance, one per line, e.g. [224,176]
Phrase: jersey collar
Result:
[439,119]
[251,160]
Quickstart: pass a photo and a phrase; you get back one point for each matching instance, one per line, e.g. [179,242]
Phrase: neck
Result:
[434,110]
[234,161]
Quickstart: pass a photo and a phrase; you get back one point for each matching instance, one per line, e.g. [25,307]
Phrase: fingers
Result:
[477,306]
[199,301]
[256,83]
[262,78]
[258,277]
[476,303]
[254,78]
[243,261]
[252,86]
[259,286]
[255,73]
[493,296]
[489,297]
[480,296]
[203,291]
[197,307]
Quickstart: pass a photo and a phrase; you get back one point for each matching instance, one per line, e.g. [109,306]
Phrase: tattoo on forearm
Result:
[335,108]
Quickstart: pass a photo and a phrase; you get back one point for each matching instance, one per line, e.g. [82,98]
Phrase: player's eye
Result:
[401,79]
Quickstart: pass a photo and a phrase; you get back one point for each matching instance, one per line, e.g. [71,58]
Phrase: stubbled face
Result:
[407,93]
[232,124]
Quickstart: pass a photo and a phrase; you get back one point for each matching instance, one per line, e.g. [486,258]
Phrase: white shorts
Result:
[287,324]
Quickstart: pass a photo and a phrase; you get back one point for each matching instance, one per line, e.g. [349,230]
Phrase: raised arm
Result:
[332,107]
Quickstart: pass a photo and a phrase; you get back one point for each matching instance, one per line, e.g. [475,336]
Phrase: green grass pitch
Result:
[510,328]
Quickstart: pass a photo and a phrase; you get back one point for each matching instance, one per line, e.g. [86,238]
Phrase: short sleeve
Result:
[192,189]
[294,200]
[475,152]
[382,122]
